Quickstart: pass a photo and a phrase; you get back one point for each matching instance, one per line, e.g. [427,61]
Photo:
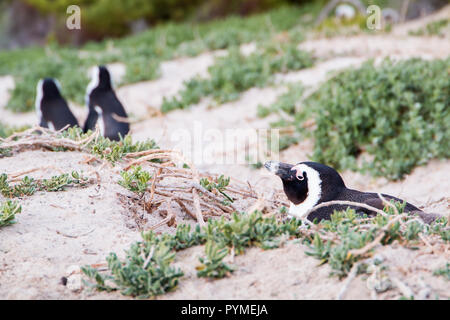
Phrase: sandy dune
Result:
[81,226]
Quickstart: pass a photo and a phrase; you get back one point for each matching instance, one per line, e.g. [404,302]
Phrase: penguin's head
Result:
[306,180]
[48,88]
[100,78]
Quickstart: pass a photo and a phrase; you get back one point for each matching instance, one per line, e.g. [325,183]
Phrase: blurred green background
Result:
[28,22]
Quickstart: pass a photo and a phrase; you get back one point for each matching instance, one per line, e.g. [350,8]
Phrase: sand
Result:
[82,225]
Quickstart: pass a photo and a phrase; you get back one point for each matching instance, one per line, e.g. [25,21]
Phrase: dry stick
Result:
[213,196]
[376,241]
[352,275]
[170,217]
[42,142]
[198,209]
[23,133]
[145,153]
[147,158]
[426,242]
[348,203]
[185,208]
[88,140]
[250,195]
[212,207]
[257,205]
[152,188]
[174,175]
[388,203]
[118,118]
[404,289]
[149,257]
[21,173]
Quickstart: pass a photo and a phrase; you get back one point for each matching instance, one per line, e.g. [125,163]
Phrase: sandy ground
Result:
[81,226]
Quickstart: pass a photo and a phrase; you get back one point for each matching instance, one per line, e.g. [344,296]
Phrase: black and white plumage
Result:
[51,108]
[104,106]
[308,184]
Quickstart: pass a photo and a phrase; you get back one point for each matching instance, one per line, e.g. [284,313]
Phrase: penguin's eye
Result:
[300,176]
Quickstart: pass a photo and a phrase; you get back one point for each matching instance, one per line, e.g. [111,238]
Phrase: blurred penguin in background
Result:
[104,107]
[51,108]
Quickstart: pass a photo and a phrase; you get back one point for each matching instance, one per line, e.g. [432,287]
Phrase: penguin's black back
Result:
[113,112]
[110,105]
[367,198]
[53,107]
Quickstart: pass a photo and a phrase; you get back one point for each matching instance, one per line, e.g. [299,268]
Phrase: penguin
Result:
[51,108]
[104,107]
[308,184]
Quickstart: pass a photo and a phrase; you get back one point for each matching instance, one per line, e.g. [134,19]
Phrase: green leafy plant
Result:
[133,276]
[110,150]
[212,265]
[342,240]
[247,230]
[146,272]
[6,130]
[434,28]
[8,211]
[220,185]
[28,186]
[444,271]
[141,53]
[135,180]
[393,115]
[235,73]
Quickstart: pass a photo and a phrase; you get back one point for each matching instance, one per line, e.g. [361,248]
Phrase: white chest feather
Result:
[100,120]
[93,84]
[39,96]
[300,210]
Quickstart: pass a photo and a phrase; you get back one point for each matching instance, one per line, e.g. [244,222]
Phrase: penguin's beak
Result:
[281,169]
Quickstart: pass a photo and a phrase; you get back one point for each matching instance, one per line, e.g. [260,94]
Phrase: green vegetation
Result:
[443,272]
[146,270]
[332,26]
[95,13]
[141,53]
[212,265]
[235,73]
[6,130]
[8,211]
[28,186]
[135,180]
[286,103]
[393,117]
[397,113]
[434,28]
[220,185]
[110,150]
[100,146]
[339,241]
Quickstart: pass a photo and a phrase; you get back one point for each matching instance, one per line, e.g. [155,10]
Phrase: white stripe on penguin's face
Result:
[100,120]
[95,80]
[39,97]
[314,191]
